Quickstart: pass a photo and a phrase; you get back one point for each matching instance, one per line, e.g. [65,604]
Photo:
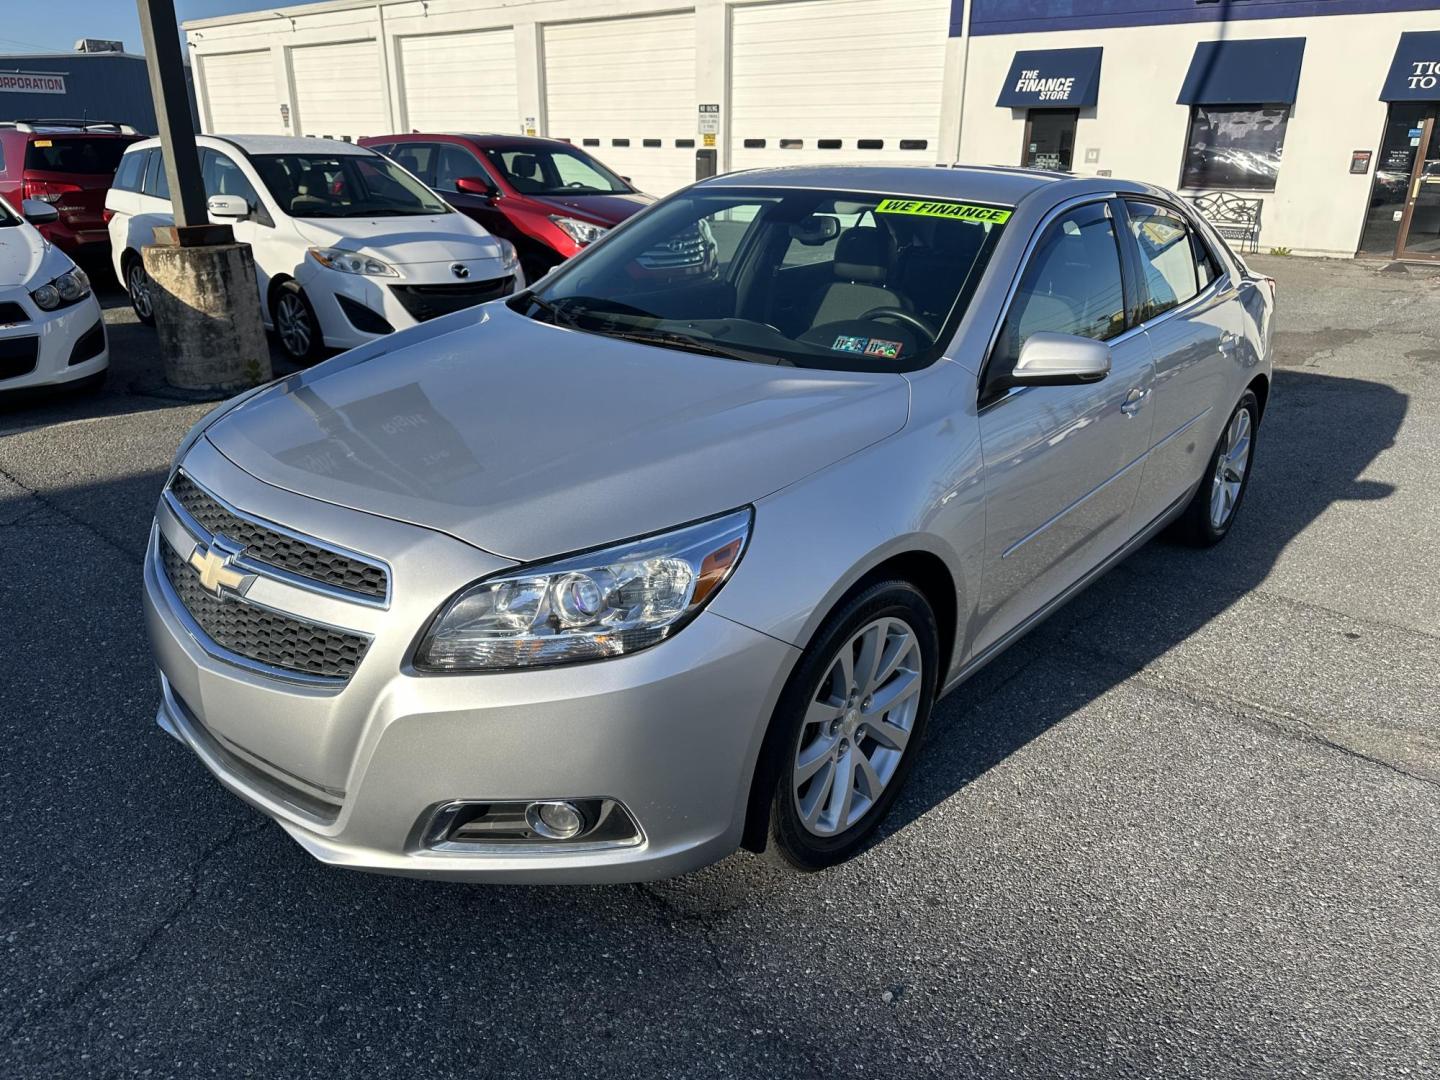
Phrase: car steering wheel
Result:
[901,315]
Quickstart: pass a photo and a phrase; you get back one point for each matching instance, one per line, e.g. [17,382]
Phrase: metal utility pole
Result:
[166,63]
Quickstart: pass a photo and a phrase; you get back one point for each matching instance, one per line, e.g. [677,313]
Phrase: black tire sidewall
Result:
[788,835]
[312,354]
[126,269]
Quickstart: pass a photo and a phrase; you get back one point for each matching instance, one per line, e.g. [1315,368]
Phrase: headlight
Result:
[509,257]
[352,262]
[582,232]
[69,287]
[587,607]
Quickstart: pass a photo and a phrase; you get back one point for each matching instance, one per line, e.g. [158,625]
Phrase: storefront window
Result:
[1235,146]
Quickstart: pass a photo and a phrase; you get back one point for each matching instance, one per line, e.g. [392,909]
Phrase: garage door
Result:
[624,89]
[338,90]
[460,82]
[836,80]
[240,96]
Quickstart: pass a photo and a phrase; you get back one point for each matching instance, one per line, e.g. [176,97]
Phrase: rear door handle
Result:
[1133,400]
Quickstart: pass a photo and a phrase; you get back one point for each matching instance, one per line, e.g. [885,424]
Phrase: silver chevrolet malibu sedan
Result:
[674,552]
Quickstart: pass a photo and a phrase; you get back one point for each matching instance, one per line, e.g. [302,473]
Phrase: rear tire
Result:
[137,287]
[296,327]
[1207,519]
[838,755]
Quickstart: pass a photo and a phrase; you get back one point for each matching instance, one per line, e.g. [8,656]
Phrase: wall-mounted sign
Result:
[1360,162]
[31,82]
[285,113]
[532,126]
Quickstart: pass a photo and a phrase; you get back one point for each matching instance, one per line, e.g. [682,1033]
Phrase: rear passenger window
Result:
[132,167]
[156,182]
[1071,285]
[1167,258]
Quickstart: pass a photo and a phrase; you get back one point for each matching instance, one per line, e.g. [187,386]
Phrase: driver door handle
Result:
[1133,400]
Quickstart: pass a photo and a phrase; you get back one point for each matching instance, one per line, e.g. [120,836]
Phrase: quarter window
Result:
[132,168]
[1071,285]
[156,182]
[1167,258]
[1235,146]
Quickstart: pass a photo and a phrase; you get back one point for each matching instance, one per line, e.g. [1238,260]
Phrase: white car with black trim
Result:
[51,329]
[348,246]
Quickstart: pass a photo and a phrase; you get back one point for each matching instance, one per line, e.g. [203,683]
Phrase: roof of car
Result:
[983,183]
[487,139]
[276,144]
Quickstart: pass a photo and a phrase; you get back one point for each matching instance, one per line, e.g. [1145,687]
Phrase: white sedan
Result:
[51,330]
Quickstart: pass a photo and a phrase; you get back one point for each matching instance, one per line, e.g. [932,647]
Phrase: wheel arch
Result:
[1260,385]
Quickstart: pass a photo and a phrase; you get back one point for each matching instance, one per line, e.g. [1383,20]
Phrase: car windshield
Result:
[818,279]
[344,185]
[545,171]
[74,154]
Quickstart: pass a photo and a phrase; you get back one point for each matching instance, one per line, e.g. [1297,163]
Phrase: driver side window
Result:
[1071,285]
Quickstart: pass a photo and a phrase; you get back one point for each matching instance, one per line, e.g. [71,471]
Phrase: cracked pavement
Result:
[1188,828]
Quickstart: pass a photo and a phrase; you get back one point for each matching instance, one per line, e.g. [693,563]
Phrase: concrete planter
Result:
[207,313]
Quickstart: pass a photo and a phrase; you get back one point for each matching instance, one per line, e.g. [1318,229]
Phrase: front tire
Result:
[849,723]
[1207,519]
[296,326]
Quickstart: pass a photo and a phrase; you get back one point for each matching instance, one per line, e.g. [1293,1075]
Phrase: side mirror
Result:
[227,206]
[39,212]
[1048,359]
[476,185]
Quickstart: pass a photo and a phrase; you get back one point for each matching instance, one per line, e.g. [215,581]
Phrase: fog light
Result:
[555,820]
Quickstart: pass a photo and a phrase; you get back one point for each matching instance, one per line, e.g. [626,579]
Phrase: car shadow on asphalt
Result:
[1318,436]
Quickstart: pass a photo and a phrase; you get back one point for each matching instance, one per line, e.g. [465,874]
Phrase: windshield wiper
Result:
[689,344]
[558,317]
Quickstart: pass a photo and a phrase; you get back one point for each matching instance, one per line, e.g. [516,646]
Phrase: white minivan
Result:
[348,246]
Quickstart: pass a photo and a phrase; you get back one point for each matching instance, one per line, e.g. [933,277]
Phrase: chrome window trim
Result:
[216,651]
[279,573]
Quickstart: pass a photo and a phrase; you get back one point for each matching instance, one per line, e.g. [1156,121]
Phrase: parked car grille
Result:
[277,549]
[18,356]
[430,301]
[258,634]
[11,312]
[689,249]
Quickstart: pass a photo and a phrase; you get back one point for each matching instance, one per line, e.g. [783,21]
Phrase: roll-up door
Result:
[460,82]
[338,90]
[240,96]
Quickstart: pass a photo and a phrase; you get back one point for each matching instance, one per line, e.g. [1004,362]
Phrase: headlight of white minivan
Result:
[582,232]
[352,262]
[610,602]
[66,289]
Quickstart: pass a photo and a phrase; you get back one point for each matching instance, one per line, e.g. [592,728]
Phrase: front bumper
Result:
[52,338]
[354,774]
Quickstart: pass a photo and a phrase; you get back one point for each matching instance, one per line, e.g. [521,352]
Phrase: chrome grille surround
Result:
[303,561]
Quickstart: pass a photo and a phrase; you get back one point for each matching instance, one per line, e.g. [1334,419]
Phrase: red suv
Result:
[546,197]
[70,164]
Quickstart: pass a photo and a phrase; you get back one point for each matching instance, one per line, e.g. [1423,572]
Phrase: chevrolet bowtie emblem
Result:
[215,570]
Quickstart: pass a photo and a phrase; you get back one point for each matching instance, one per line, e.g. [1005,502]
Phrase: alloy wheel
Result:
[1230,469]
[857,726]
[292,323]
[138,285]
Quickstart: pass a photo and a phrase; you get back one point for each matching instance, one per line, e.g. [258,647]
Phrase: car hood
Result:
[24,254]
[403,241]
[530,440]
[610,209]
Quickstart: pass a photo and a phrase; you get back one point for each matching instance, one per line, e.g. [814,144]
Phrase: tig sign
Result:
[30,82]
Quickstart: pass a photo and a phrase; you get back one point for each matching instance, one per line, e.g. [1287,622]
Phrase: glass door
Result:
[1420,227]
[1050,139]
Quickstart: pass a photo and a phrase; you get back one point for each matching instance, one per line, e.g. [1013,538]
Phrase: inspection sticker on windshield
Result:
[846,343]
[888,350]
[960,211]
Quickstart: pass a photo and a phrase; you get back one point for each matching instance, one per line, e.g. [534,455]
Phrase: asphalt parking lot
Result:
[1190,828]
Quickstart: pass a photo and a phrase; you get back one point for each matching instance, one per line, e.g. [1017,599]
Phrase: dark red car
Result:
[547,197]
[70,164]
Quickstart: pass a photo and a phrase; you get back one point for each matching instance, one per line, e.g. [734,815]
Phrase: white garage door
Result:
[460,82]
[240,96]
[338,90]
[836,80]
[624,90]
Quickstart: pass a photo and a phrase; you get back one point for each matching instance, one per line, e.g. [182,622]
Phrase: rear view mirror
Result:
[227,206]
[476,185]
[1048,359]
[815,230]
[39,212]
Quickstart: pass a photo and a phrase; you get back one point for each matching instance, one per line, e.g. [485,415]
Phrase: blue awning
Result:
[1415,71]
[1262,71]
[1053,79]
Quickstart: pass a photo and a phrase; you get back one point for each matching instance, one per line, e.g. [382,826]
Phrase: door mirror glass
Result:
[476,185]
[39,212]
[227,206]
[1049,359]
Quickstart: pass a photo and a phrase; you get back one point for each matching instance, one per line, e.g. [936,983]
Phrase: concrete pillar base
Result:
[207,312]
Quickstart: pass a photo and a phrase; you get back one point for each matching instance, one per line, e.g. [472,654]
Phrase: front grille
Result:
[686,250]
[11,312]
[430,301]
[277,549]
[260,635]
[18,356]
